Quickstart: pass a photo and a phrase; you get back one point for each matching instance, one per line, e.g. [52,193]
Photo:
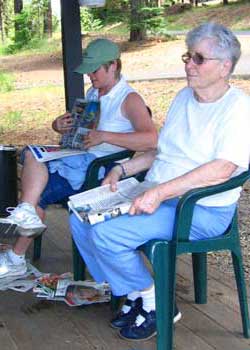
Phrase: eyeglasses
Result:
[197,58]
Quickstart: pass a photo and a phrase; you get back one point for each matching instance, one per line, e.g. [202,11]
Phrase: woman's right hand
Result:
[113,177]
[63,123]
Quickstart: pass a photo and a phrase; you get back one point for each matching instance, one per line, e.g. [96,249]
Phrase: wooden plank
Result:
[187,339]
[212,333]
[5,339]
[222,307]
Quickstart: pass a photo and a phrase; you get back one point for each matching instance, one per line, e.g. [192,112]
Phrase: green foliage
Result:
[88,21]
[150,19]
[114,11]
[24,34]
[6,82]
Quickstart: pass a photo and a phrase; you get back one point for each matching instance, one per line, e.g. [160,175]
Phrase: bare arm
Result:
[211,173]
[131,167]
[143,139]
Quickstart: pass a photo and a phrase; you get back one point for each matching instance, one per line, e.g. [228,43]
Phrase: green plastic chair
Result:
[162,255]
[91,181]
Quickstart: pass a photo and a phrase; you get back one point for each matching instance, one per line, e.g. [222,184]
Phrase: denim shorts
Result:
[57,190]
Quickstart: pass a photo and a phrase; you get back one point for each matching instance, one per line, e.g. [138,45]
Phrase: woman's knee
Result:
[28,156]
[77,228]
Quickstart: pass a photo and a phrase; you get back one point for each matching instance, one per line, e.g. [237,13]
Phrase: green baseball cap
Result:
[98,52]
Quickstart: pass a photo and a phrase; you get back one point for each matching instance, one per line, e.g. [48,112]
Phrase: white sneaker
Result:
[24,216]
[8,269]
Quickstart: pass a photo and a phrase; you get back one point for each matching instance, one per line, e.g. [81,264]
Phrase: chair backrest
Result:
[185,208]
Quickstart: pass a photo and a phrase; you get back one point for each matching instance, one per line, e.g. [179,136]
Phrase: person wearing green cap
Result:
[124,122]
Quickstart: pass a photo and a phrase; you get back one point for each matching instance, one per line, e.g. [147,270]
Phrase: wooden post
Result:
[72,51]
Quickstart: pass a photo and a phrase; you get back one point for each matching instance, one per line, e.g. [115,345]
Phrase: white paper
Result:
[45,153]
[101,204]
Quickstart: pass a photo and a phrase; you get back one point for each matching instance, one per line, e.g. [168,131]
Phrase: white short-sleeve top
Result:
[195,133]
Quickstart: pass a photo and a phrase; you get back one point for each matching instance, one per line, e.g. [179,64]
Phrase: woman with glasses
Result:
[204,141]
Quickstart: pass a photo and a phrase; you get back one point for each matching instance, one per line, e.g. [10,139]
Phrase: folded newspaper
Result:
[101,204]
[73,293]
[85,116]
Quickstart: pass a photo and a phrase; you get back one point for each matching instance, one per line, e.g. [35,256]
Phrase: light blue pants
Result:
[109,248]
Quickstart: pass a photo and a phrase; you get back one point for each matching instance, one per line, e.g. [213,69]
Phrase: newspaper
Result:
[22,283]
[55,287]
[73,293]
[101,204]
[85,116]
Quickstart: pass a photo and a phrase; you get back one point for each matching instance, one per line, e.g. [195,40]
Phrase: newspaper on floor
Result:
[22,283]
[73,293]
[101,204]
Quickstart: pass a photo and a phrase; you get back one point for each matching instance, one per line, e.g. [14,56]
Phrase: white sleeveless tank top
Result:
[111,118]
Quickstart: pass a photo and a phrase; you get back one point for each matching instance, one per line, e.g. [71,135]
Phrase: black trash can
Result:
[8,178]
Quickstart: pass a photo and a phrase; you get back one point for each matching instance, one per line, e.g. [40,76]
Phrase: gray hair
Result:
[226,45]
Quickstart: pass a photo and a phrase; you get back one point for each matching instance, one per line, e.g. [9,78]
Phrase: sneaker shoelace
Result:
[22,214]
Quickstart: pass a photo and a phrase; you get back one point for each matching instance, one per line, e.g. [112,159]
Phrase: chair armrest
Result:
[185,208]
[91,180]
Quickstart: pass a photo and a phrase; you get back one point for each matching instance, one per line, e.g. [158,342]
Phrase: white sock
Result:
[148,299]
[131,296]
[16,259]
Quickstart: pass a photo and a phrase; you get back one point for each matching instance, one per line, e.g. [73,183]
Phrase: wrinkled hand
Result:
[64,123]
[92,138]
[146,203]
[112,178]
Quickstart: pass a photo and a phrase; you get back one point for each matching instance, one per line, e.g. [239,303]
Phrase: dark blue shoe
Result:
[147,329]
[125,320]
[143,332]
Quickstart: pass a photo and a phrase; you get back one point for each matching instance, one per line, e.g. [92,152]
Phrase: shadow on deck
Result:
[27,322]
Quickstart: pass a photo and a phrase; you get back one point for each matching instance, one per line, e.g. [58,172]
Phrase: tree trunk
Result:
[225,2]
[47,22]
[137,30]
[18,6]
[1,21]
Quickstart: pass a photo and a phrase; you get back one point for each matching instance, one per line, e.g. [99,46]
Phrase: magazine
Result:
[45,153]
[101,204]
[85,116]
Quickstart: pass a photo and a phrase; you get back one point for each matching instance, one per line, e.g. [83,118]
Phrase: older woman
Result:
[205,141]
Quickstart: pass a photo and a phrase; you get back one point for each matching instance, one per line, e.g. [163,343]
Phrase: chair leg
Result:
[115,302]
[242,293]
[199,261]
[78,264]
[37,248]
[164,265]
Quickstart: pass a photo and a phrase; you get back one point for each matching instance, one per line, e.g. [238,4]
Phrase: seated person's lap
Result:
[56,190]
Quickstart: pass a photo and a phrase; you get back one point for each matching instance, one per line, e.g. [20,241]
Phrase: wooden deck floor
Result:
[27,323]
